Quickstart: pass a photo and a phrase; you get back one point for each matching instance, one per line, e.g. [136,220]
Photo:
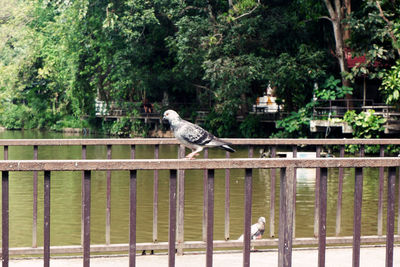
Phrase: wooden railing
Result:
[176,166]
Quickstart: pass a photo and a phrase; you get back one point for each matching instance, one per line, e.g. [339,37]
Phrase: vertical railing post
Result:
[358,190]
[294,149]
[155,197]
[340,193]
[46,210]
[398,211]
[205,201]
[5,215]
[132,218]
[362,151]
[380,196]
[248,184]
[322,216]
[286,217]
[282,217]
[181,205]
[391,194]
[35,200]
[133,151]
[108,202]
[5,153]
[251,151]
[316,199]
[132,212]
[272,196]
[84,155]
[227,200]
[210,218]
[86,218]
[172,219]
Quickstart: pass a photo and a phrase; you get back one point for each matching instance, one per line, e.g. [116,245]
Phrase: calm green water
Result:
[66,198]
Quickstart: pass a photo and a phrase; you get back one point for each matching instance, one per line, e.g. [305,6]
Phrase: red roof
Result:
[354,61]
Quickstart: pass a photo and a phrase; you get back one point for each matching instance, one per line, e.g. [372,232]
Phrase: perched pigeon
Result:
[257,230]
[192,135]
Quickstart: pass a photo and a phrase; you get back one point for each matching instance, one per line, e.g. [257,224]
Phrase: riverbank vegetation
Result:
[58,57]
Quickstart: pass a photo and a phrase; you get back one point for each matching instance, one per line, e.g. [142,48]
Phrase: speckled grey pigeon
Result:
[192,135]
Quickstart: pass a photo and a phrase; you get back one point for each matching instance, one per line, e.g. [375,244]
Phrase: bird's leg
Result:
[194,153]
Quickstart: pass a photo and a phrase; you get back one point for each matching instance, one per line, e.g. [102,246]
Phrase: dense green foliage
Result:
[331,90]
[58,57]
[365,125]
[297,124]
[391,84]
[375,28]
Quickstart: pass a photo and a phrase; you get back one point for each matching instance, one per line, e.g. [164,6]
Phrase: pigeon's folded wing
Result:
[254,229]
[194,134]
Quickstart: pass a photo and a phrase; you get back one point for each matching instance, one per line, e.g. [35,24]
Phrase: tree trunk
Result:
[346,36]
[336,13]
[244,110]
[346,33]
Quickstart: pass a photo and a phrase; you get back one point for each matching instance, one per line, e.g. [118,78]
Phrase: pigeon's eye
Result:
[167,114]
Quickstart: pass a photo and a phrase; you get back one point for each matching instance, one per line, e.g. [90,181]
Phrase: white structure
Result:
[101,108]
[266,103]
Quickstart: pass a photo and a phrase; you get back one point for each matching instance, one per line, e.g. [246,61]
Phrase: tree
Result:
[375,34]
[218,54]
[338,10]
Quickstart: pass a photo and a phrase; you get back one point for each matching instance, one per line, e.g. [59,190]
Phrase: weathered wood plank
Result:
[390,216]
[169,164]
[358,191]
[46,220]
[339,197]
[173,141]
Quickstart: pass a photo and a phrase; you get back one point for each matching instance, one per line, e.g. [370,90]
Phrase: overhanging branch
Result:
[205,88]
[248,13]
[389,25]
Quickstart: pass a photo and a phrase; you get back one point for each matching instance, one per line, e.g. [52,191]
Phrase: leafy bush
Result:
[127,126]
[69,122]
[14,117]
[297,124]
[250,127]
[222,125]
[391,84]
[365,125]
[331,90]
[121,127]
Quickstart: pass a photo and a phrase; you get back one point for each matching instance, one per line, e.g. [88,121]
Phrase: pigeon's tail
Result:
[228,148]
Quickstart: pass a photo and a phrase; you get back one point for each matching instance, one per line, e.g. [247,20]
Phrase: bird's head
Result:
[170,115]
[261,220]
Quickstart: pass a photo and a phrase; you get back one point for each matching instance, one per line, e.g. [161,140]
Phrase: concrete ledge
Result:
[321,125]
[369,257]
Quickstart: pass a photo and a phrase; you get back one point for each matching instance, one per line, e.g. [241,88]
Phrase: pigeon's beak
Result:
[165,120]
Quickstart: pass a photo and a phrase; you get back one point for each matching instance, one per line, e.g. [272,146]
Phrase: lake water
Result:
[66,198]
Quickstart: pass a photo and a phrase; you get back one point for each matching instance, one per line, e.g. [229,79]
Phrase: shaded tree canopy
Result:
[57,57]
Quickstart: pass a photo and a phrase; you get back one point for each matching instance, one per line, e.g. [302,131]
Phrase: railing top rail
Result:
[168,164]
[173,141]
